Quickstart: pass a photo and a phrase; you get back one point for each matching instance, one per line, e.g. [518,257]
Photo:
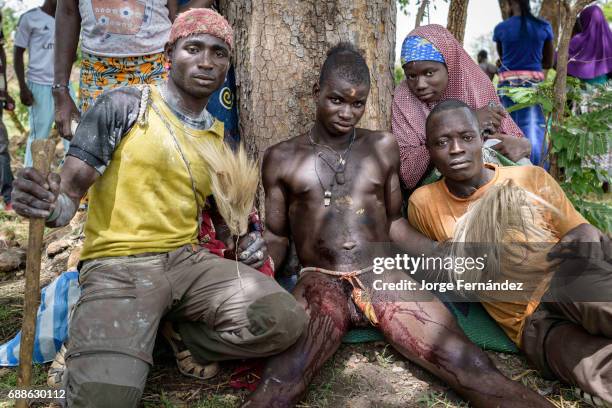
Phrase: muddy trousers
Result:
[123,299]
[581,296]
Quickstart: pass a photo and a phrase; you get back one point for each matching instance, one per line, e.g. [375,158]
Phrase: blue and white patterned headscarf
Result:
[417,48]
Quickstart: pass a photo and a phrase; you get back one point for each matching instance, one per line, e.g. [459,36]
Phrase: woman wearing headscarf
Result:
[438,68]
[590,59]
[590,51]
[525,47]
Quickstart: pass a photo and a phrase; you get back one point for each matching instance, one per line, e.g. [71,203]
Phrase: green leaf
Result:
[519,106]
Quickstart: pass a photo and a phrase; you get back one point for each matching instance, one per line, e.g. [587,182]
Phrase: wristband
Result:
[55,87]
[54,214]
[60,203]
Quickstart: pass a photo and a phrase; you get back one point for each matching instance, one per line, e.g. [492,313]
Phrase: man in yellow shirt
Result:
[571,340]
[138,150]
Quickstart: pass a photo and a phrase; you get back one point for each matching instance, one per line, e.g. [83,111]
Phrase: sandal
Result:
[592,400]
[56,371]
[187,365]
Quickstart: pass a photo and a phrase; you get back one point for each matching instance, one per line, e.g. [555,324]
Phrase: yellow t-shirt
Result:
[434,211]
[144,201]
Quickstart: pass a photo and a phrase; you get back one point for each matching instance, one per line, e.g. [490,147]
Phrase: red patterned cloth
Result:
[201,21]
[466,82]
[525,75]
[248,374]
[207,238]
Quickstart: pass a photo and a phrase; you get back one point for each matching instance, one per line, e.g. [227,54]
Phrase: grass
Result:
[11,311]
[165,401]
[13,226]
[219,401]
[10,315]
[321,390]
[435,399]
[8,377]
[384,358]
[319,395]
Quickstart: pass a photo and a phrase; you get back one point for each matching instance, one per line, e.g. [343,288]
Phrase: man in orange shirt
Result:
[570,340]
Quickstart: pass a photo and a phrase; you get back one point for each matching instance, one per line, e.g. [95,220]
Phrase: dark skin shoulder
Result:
[274,173]
[361,211]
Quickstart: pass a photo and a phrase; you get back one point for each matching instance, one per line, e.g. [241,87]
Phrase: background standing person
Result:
[36,33]
[524,44]
[590,59]
[6,175]
[122,43]
[485,65]
[590,51]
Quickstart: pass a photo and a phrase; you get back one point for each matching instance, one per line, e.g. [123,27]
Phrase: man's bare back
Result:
[334,236]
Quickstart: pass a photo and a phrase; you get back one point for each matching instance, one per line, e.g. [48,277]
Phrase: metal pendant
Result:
[327,198]
[340,177]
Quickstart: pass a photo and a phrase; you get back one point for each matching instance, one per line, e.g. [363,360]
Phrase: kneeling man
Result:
[137,152]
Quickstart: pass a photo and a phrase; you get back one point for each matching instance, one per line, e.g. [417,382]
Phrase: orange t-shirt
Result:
[434,211]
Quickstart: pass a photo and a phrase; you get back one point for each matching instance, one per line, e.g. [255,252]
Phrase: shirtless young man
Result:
[334,230]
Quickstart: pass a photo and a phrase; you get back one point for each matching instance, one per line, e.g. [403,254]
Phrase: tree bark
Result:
[552,12]
[560,89]
[457,17]
[421,13]
[280,46]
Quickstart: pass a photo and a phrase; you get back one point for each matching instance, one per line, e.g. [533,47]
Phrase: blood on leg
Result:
[426,333]
[288,374]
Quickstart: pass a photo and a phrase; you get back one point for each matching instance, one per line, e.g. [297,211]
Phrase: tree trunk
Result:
[560,89]
[504,6]
[280,47]
[554,13]
[421,13]
[457,16]
[563,55]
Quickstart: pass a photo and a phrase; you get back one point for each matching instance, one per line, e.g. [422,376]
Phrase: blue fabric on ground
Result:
[57,299]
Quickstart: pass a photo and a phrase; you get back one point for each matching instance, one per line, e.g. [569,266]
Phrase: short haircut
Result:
[482,54]
[347,62]
[447,105]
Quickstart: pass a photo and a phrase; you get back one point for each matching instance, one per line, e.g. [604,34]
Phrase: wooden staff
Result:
[16,121]
[42,155]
